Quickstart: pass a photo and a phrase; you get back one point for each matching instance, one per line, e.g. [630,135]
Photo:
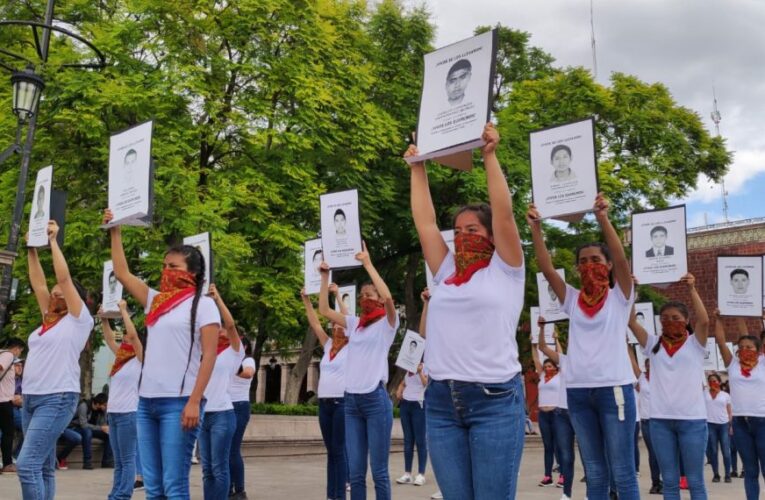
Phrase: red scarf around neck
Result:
[595,285]
[125,353]
[371,311]
[747,359]
[472,252]
[57,310]
[674,333]
[175,287]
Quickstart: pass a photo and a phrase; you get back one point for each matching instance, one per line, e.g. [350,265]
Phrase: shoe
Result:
[656,489]
[138,485]
[546,481]
[61,464]
[347,487]
[583,480]
[565,497]
[612,495]
[405,479]
[9,469]
[742,474]
[727,479]
[734,474]
[107,465]
[559,484]
[683,483]
[556,468]
[241,495]
[194,460]
[419,480]
[716,478]
[436,495]
[87,466]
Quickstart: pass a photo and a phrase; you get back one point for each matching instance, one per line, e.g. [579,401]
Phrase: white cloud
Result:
[747,165]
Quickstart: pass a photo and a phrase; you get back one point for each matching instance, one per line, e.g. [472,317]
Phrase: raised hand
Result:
[491,137]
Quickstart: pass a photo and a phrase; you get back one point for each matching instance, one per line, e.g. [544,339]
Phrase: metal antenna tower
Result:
[716,118]
[592,42]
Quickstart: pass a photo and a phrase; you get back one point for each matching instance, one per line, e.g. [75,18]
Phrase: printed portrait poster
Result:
[455,104]
[739,286]
[644,316]
[657,325]
[130,198]
[412,349]
[640,358]
[659,251]
[203,243]
[448,237]
[312,259]
[564,171]
[341,228]
[549,306]
[347,295]
[41,213]
[549,328]
[710,355]
[112,292]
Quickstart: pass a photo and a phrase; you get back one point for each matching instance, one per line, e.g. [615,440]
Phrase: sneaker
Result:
[742,474]
[734,474]
[559,484]
[683,483]
[546,481]
[565,497]
[716,478]
[9,469]
[419,480]
[405,479]
[727,479]
[138,485]
[656,489]
[436,495]
[194,460]
[238,496]
[87,466]
[61,464]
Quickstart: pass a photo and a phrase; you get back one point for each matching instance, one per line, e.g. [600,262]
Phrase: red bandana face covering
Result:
[747,358]
[472,252]
[57,309]
[175,286]
[371,311]
[550,372]
[714,388]
[125,353]
[339,340]
[594,290]
[674,333]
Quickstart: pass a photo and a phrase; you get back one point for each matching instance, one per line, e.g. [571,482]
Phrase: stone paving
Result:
[302,477]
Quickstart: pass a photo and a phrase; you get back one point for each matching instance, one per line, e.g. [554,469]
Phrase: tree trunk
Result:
[257,351]
[411,299]
[86,371]
[292,391]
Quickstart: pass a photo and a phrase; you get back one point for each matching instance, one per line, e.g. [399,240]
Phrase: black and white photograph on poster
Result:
[112,292]
[564,171]
[456,95]
[657,325]
[644,316]
[347,295]
[739,286]
[313,256]
[549,306]
[659,246]
[710,355]
[130,176]
[203,243]
[448,236]
[549,328]
[341,228]
[412,349]
[40,213]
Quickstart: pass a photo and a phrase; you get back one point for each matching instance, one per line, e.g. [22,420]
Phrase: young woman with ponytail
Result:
[368,409]
[599,378]
[181,341]
[678,415]
[474,403]
[51,371]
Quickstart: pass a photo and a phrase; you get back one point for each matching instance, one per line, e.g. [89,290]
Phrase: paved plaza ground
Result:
[302,477]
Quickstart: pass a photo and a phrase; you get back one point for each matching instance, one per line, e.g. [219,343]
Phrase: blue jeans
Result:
[215,448]
[547,430]
[87,444]
[673,439]
[475,437]
[122,432]
[606,435]
[368,425]
[645,427]
[564,444]
[70,439]
[235,461]
[749,434]
[413,425]
[719,437]
[44,417]
[20,429]
[332,424]
[165,447]
[138,466]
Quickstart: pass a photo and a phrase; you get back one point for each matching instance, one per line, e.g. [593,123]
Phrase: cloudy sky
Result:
[689,45]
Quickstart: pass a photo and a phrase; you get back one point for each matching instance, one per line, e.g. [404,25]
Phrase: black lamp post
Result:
[27,90]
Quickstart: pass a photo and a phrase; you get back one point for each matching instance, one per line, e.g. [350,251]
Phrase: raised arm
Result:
[382,289]
[37,280]
[701,329]
[725,353]
[131,334]
[313,319]
[227,318]
[335,290]
[507,240]
[63,278]
[324,308]
[108,334]
[434,247]
[621,266]
[546,350]
[544,260]
[425,296]
[638,331]
[633,360]
[133,284]
[742,328]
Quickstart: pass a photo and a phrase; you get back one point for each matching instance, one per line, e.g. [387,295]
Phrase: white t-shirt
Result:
[239,388]
[167,349]
[597,353]
[644,397]
[472,327]
[562,369]
[217,390]
[413,388]
[332,373]
[123,389]
[53,362]
[8,374]
[367,363]
[549,392]
[717,408]
[746,393]
[677,382]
